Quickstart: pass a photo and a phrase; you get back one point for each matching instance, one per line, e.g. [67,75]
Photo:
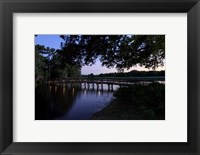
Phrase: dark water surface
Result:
[70,103]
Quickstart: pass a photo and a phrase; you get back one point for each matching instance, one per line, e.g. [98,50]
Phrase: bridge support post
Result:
[101,86]
[84,85]
[112,87]
[108,87]
[93,86]
[88,84]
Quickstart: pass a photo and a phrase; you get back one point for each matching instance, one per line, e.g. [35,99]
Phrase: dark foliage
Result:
[119,51]
[138,102]
[113,51]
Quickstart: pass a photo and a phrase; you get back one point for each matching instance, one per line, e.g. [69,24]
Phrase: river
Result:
[67,102]
[70,103]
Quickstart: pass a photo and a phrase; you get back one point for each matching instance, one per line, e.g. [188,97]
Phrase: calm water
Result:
[70,103]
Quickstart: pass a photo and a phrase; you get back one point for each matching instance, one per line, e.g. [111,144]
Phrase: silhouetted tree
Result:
[113,51]
[119,51]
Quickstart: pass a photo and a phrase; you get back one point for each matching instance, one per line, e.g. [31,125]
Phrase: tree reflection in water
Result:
[69,103]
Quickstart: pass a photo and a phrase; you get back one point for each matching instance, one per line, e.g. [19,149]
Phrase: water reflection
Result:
[70,103]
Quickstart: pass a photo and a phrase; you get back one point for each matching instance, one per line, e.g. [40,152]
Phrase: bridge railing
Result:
[110,79]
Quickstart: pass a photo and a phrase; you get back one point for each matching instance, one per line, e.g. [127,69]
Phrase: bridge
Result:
[99,82]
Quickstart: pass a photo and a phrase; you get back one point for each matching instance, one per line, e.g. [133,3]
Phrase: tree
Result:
[119,51]
[69,71]
[44,55]
[40,64]
[114,51]
[55,64]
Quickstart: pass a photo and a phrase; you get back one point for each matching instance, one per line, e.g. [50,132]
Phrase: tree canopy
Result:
[119,51]
[113,51]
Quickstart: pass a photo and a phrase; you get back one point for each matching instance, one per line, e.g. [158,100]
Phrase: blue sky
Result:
[54,41]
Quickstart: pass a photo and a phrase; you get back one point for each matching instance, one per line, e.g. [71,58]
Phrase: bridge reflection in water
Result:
[76,99]
[71,102]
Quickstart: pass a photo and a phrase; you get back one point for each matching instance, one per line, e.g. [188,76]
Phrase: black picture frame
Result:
[8,7]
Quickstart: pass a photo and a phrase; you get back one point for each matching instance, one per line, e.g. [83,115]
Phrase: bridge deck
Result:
[110,81]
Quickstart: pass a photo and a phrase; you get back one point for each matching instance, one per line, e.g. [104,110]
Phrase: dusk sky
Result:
[54,41]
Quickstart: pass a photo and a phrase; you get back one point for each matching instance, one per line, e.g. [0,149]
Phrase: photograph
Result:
[99,77]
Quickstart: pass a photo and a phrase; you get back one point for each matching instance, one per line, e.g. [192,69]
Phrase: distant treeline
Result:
[133,73]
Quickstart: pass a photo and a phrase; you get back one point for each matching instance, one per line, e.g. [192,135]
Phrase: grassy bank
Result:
[138,102]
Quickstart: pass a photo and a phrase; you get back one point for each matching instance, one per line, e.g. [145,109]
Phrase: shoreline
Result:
[137,106]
